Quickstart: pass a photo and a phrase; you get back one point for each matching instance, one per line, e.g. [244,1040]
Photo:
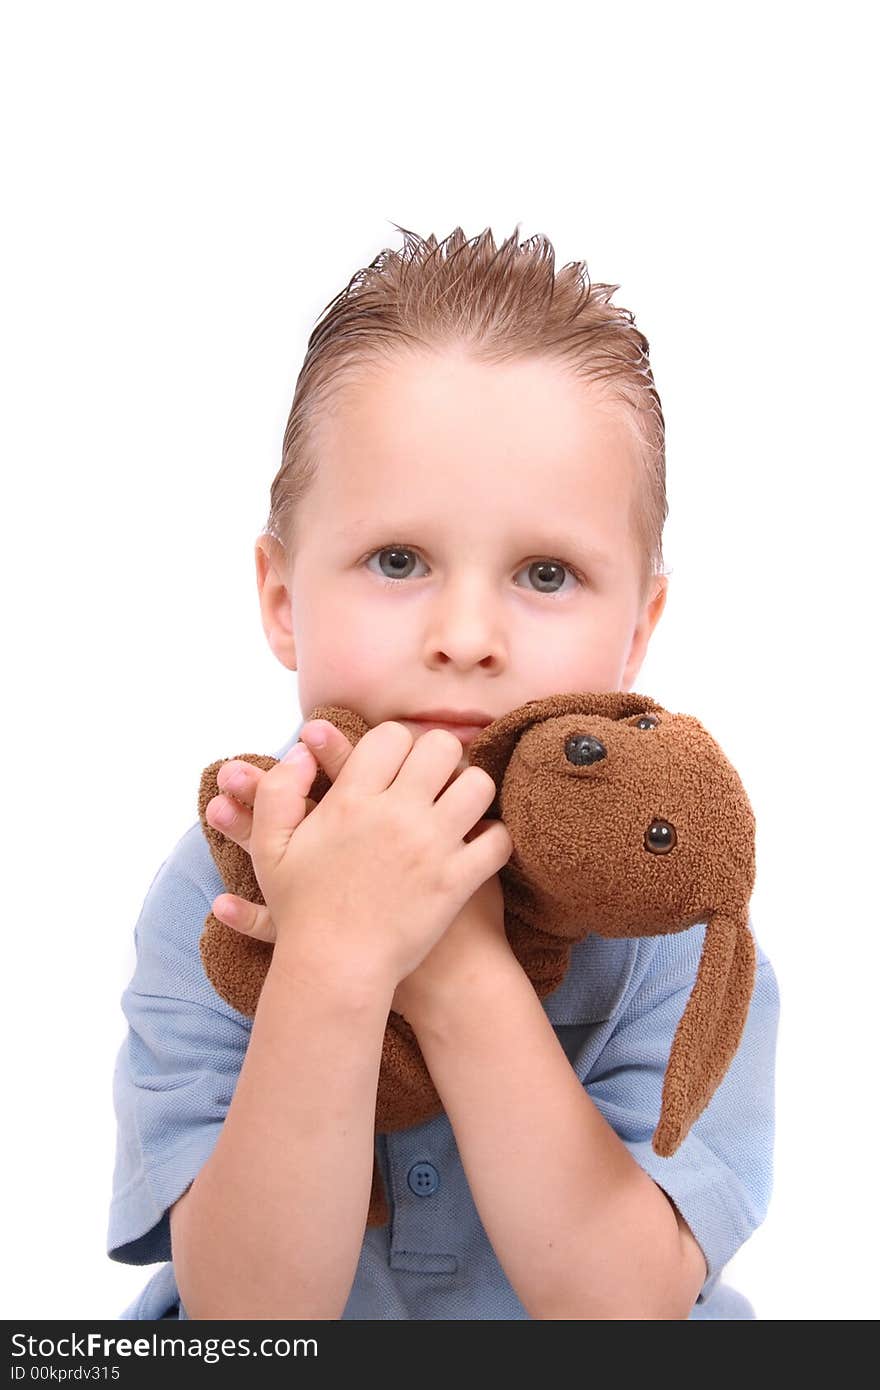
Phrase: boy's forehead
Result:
[535,408]
[538,506]
[415,453]
[360,470]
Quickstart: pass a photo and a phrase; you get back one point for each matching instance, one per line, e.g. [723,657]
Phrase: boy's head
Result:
[470,507]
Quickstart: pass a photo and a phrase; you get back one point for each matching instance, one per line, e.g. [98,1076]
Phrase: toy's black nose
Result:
[582,749]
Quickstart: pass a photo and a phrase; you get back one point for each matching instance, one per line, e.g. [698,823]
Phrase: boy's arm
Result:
[273,1225]
[579,1227]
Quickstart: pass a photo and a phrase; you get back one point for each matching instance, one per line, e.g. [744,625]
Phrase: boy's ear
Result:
[648,619]
[275,603]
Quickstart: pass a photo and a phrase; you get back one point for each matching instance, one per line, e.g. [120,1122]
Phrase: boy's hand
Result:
[469,944]
[468,950]
[381,821]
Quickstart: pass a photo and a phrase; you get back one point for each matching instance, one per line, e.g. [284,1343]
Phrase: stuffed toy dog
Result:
[626,821]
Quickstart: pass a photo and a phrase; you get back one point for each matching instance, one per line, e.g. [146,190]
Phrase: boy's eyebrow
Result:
[550,544]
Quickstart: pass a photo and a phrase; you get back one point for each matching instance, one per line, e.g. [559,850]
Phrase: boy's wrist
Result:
[436,1006]
[352,983]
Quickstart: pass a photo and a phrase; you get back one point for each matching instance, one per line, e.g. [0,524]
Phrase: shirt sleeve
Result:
[178,1066]
[721,1175]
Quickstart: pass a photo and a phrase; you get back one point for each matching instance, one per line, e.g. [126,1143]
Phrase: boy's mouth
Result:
[465,724]
[465,733]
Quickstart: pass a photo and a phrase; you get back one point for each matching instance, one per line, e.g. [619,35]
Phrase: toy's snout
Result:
[584,749]
[624,824]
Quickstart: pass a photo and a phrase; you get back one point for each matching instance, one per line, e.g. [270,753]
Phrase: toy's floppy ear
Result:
[493,748]
[710,1029]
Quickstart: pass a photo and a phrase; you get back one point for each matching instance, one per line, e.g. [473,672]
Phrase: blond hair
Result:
[498,304]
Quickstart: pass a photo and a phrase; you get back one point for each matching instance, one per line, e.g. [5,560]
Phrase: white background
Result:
[186,187]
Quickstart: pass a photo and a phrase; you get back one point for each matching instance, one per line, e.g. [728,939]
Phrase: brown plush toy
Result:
[626,821]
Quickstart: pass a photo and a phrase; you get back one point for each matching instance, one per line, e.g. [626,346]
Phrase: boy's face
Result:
[438,546]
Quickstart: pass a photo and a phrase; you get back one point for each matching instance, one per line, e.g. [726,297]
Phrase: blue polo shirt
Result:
[614,1014]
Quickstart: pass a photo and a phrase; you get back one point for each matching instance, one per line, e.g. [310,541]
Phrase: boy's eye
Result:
[547,576]
[395,562]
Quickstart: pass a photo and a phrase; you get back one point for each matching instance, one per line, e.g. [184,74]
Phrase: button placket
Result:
[420,1163]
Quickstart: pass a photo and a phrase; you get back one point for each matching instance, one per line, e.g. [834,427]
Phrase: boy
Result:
[467,517]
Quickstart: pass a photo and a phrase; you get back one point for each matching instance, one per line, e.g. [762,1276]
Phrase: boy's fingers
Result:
[280,804]
[334,749]
[478,829]
[251,919]
[236,822]
[239,780]
[232,811]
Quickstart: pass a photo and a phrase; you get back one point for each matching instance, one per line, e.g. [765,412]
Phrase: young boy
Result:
[467,517]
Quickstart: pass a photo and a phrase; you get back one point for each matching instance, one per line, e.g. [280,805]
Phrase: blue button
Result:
[423,1178]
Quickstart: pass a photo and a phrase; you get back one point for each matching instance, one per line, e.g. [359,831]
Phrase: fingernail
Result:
[315,735]
[233,779]
[297,754]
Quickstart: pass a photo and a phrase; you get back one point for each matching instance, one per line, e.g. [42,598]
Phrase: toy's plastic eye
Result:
[646,721]
[660,837]
[582,749]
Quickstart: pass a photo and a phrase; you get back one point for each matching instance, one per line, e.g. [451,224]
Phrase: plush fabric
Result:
[627,821]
